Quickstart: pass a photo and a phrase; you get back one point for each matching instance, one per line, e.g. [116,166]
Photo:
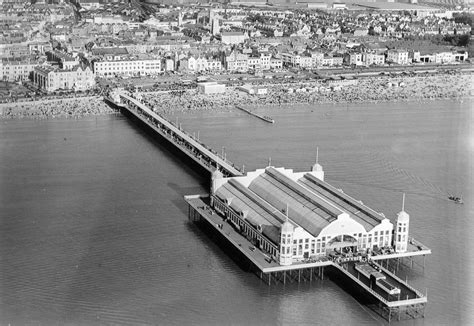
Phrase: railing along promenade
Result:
[197,151]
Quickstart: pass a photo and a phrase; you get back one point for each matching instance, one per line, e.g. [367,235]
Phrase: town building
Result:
[236,61]
[64,60]
[15,70]
[211,88]
[332,61]
[39,47]
[294,216]
[252,90]
[373,59]
[14,50]
[50,79]
[398,56]
[233,37]
[354,58]
[128,66]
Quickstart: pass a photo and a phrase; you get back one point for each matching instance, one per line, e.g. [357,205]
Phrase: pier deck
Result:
[409,302]
[193,148]
[262,261]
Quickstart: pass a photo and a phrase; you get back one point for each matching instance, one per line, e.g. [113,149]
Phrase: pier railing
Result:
[421,298]
[199,152]
[418,293]
[355,279]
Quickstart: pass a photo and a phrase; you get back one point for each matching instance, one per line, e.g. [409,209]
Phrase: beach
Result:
[279,94]
[75,107]
[371,89]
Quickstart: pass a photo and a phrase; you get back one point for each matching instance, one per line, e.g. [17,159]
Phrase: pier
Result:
[405,303]
[187,144]
[250,218]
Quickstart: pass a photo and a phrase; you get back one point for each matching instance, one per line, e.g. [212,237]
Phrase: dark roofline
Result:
[375,216]
[276,214]
[305,193]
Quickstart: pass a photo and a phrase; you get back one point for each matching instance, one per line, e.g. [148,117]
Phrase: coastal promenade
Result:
[187,144]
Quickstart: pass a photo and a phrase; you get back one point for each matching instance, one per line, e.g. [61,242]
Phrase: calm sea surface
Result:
[94,231]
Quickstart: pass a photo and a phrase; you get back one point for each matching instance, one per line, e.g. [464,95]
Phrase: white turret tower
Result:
[286,241]
[317,169]
[216,176]
[400,239]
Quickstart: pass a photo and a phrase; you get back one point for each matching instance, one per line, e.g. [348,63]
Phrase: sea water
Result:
[94,228]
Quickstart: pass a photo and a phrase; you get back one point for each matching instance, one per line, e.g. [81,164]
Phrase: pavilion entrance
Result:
[343,244]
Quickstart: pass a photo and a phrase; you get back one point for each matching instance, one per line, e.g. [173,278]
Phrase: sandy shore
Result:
[372,89]
[56,108]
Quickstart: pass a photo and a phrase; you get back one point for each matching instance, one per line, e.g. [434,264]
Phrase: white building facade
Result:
[398,56]
[131,67]
[297,216]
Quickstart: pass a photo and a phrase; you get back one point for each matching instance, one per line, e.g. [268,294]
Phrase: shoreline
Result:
[70,108]
[367,90]
[422,89]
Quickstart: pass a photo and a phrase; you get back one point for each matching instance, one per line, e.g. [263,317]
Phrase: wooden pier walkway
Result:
[193,148]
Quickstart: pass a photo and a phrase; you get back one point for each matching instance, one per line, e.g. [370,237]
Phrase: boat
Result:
[457,200]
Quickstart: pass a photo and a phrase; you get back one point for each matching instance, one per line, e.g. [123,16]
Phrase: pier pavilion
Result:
[297,216]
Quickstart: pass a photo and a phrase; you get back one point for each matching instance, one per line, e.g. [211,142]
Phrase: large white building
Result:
[50,79]
[127,67]
[297,215]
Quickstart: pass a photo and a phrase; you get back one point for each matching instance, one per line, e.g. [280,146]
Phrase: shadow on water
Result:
[178,157]
[183,191]
[349,286]
[221,245]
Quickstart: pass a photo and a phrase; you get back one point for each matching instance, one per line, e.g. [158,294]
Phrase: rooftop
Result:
[364,215]
[264,200]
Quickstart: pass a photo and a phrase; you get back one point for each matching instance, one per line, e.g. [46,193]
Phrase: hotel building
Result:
[50,78]
[127,67]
